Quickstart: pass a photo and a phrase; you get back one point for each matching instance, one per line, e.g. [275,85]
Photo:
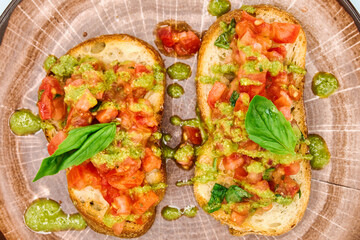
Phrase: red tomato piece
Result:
[233,161]
[78,118]
[106,115]
[286,111]
[277,53]
[55,142]
[240,173]
[285,32]
[189,42]
[292,169]
[122,204]
[150,161]
[294,93]
[248,17]
[118,227]
[86,101]
[128,167]
[125,182]
[238,218]
[262,185]
[139,68]
[145,202]
[165,35]
[254,178]
[291,186]
[83,175]
[193,134]
[215,93]
[283,100]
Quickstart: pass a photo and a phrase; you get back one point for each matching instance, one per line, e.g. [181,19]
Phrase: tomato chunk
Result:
[193,134]
[125,182]
[215,93]
[122,204]
[233,161]
[145,202]
[106,115]
[83,175]
[285,32]
[292,169]
[165,35]
[150,161]
[55,142]
[118,227]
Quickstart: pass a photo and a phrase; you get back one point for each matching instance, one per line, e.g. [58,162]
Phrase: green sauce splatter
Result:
[45,215]
[175,90]
[180,71]
[24,122]
[172,213]
[324,84]
[219,7]
[319,151]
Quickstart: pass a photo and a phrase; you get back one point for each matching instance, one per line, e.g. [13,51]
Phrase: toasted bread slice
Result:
[279,219]
[89,201]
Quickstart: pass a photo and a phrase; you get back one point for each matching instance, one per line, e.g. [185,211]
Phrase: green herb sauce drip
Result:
[45,215]
[320,152]
[219,7]
[175,90]
[24,122]
[324,84]
[172,213]
[179,71]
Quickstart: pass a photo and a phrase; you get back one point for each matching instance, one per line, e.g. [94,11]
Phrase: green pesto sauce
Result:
[219,7]
[184,154]
[319,150]
[248,9]
[180,71]
[324,84]
[45,215]
[207,79]
[293,68]
[65,66]
[145,81]
[170,213]
[225,68]
[175,90]
[255,167]
[49,62]
[24,122]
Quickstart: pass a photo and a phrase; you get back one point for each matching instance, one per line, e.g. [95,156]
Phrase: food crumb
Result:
[304,9]
[85,34]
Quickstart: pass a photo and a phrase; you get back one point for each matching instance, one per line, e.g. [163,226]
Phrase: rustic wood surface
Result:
[38,28]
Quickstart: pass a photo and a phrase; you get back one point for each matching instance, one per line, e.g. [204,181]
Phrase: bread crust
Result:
[296,54]
[85,208]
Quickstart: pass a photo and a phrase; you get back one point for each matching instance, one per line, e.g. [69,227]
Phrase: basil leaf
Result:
[80,145]
[268,127]
[224,40]
[217,196]
[234,97]
[236,194]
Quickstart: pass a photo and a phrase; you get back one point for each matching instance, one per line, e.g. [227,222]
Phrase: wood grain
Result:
[38,27]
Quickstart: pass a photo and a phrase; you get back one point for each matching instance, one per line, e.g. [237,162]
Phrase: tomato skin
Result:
[193,134]
[83,175]
[189,42]
[150,161]
[55,142]
[122,204]
[106,115]
[145,202]
[285,32]
[233,161]
[215,93]
[292,169]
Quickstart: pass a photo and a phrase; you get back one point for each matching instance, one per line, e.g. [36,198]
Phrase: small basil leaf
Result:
[236,194]
[268,173]
[224,40]
[217,196]
[268,127]
[96,107]
[234,97]
[80,145]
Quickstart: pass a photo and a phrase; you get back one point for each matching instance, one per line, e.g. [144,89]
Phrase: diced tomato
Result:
[126,119]
[86,101]
[247,17]
[280,79]
[250,145]
[150,161]
[262,185]
[215,93]
[277,53]
[106,115]
[241,28]
[128,167]
[125,182]
[118,227]
[139,68]
[283,100]
[165,35]
[254,178]
[239,217]
[248,38]
[49,91]
[291,186]
[83,175]
[240,173]
[55,142]
[285,32]
[145,202]
[239,105]
[233,161]
[292,169]
[189,43]
[122,204]
[257,90]
[78,119]
[193,134]
[286,111]
[260,77]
